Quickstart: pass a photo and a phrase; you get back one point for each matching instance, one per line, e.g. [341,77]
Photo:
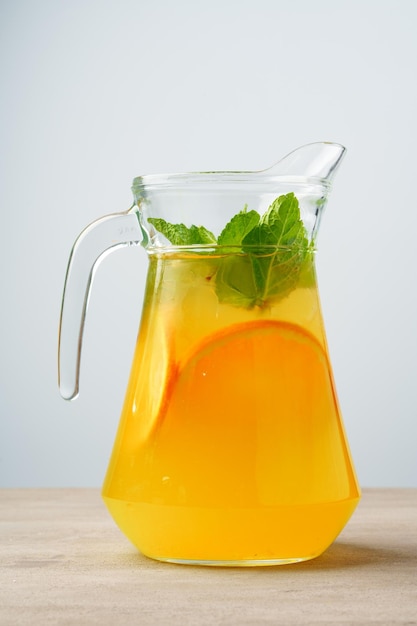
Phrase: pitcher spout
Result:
[313,160]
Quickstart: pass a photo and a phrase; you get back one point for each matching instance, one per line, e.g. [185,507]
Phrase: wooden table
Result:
[63,561]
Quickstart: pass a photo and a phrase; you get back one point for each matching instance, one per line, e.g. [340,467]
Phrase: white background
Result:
[97,92]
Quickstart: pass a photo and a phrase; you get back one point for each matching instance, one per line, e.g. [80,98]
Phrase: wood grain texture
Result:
[63,561]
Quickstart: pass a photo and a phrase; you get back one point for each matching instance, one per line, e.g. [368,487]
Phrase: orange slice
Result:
[248,402]
[243,369]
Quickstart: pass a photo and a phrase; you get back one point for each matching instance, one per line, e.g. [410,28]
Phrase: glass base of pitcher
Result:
[250,537]
[235,563]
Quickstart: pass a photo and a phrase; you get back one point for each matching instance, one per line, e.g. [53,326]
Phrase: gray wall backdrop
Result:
[96,92]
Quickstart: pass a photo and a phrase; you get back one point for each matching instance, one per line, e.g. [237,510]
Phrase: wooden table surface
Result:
[63,561]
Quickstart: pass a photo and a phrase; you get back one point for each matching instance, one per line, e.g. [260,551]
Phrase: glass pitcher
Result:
[231,448]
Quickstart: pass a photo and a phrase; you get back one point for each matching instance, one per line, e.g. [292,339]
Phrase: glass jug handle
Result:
[98,239]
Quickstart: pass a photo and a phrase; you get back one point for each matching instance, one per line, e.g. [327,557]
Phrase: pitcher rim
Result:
[209,179]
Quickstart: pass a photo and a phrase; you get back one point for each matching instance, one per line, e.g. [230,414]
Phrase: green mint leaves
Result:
[181,235]
[264,257]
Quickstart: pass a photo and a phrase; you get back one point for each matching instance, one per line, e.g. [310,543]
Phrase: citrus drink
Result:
[230,447]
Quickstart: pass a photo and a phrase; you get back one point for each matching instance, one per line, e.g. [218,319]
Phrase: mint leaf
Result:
[181,235]
[281,225]
[235,281]
[239,226]
[277,247]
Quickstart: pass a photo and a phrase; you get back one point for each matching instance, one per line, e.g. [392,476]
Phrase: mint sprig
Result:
[270,253]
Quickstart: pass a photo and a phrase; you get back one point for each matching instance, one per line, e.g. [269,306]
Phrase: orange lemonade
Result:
[230,447]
